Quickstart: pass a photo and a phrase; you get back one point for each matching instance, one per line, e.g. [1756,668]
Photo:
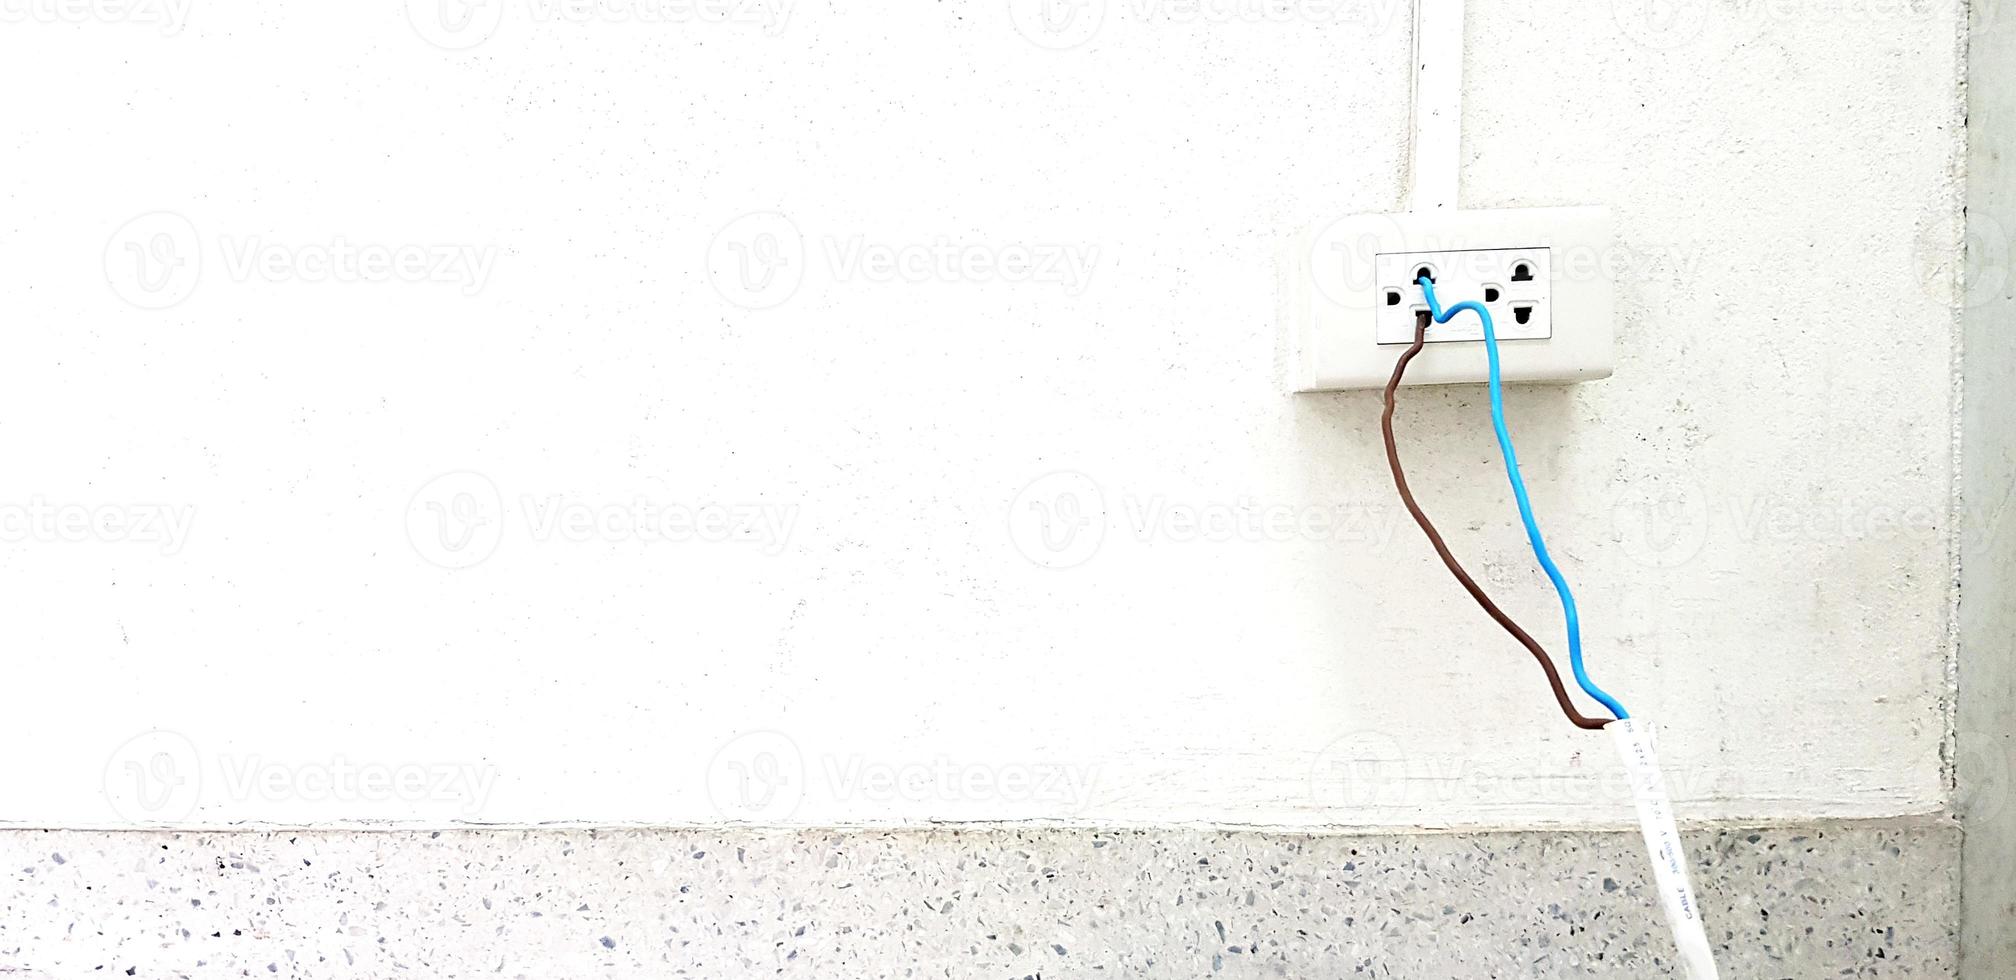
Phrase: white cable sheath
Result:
[1437,136]
[1662,840]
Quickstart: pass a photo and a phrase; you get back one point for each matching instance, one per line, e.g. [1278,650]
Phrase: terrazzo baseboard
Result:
[1875,899]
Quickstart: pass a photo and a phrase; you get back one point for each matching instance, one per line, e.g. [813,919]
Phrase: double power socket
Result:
[1515,284]
[1541,272]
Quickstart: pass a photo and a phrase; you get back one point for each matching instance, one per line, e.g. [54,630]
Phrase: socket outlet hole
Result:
[1392,297]
[1523,314]
[1522,273]
[1490,294]
[1425,272]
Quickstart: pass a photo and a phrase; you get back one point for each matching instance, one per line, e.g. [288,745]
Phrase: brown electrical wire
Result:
[1435,538]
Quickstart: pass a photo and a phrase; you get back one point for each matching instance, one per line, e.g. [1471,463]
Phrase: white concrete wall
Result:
[1756,509]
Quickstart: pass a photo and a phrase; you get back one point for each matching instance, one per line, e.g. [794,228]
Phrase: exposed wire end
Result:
[1574,622]
[1469,584]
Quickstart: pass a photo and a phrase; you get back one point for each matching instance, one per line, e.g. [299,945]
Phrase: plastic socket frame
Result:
[1542,272]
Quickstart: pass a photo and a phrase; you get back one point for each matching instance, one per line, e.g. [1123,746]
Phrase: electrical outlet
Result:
[1542,272]
[1515,284]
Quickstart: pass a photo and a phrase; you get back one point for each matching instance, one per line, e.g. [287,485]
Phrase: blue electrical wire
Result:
[1519,492]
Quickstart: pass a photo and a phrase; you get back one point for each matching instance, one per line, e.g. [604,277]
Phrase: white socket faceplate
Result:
[1349,331]
[1513,283]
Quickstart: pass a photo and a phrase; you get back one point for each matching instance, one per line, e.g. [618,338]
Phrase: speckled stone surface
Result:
[1851,900]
